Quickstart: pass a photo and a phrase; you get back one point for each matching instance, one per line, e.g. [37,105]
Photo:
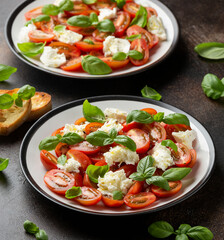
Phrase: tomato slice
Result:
[85,31]
[121,23]
[110,202]
[151,111]
[87,182]
[62,148]
[92,127]
[193,158]
[33,13]
[47,27]
[175,188]
[59,181]
[139,200]
[151,11]
[103,4]
[131,8]
[136,188]
[90,196]
[100,36]
[57,131]
[97,157]
[80,121]
[101,163]
[129,126]
[79,9]
[86,148]
[141,138]
[48,160]
[40,36]
[155,40]
[182,157]
[87,47]
[114,64]
[74,64]
[78,179]
[128,169]
[96,53]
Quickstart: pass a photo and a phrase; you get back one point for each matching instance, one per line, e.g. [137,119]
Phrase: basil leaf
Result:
[30,227]
[119,56]
[93,18]
[139,116]
[89,1]
[94,172]
[151,93]
[19,102]
[29,22]
[6,72]
[212,86]
[113,133]
[169,143]
[158,181]
[176,118]
[50,9]
[160,229]
[62,160]
[66,5]
[95,66]
[117,195]
[6,101]
[140,17]
[26,92]
[99,138]
[182,237]
[92,113]
[158,117]
[135,55]
[3,163]
[145,163]
[41,235]
[200,233]
[79,21]
[88,41]
[49,143]
[176,174]
[126,141]
[31,49]
[42,18]
[71,138]
[210,50]
[120,3]
[73,192]
[59,28]
[183,228]
[137,176]
[222,81]
[133,37]
[106,26]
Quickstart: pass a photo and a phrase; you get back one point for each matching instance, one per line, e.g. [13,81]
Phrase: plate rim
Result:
[19,7]
[47,116]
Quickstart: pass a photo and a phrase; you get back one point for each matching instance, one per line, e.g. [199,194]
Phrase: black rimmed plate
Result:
[68,113]
[16,21]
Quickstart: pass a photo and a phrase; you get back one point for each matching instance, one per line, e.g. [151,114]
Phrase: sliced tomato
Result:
[128,169]
[90,196]
[40,36]
[87,182]
[97,157]
[131,8]
[110,202]
[57,131]
[47,27]
[33,13]
[96,53]
[151,11]
[139,200]
[80,121]
[175,188]
[62,148]
[103,4]
[74,64]
[101,163]
[78,179]
[61,20]
[129,126]
[92,127]
[136,187]
[114,64]
[87,47]
[182,157]
[193,158]
[151,111]
[100,36]
[121,23]
[59,181]
[79,9]
[85,31]
[155,40]
[170,128]
[48,160]
[86,148]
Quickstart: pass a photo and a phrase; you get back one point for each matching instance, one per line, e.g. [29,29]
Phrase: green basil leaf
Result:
[29,22]
[144,164]
[31,49]
[73,192]
[113,133]
[126,141]
[158,117]
[49,143]
[158,181]
[59,28]
[117,195]
[26,92]
[3,163]
[210,50]
[135,55]
[93,18]
[139,116]
[133,37]
[151,93]
[79,21]
[176,174]
[89,1]
[71,138]
[160,229]
[50,9]
[66,5]
[41,235]
[95,66]
[140,18]
[183,228]
[6,72]
[212,86]
[176,118]
[182,236]
[99,138]
[149,172]
[62,160]
[42,18]
[200,233]
[30,227]
[106,26]
[88,41]
[137,176]
[120,3]
[94,172]
[92,113]
[169,143]
[119,56]
[19,102]
[222,81]
[6,101]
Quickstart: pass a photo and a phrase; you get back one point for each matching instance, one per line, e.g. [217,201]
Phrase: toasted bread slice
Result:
[12,118]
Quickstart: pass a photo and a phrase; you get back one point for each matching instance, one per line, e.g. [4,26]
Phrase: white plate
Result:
[68,113]
[17,20]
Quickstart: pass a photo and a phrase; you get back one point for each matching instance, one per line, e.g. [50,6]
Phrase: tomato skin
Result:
[57,131]
[78,179]
[59,181]
[87,31]
[193,158]
[74,64]
[86,148]
[183,157]
[96,53]
[129,126]
[101,163]
[151,11]
[100,36]
[92,127]
[86,47]
[175,188]
[47,27]
[131,8]
[80,121]
[48,160]
[151,111]
[121,23]
[110,202]
[62,148]
[97,157]
[38,36]
[128,168]
[79,9]
[33,13]
[136,187]
[103,4]
[114,64]
[87,182]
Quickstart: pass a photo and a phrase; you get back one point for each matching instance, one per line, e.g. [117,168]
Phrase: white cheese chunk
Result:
[186,137]
[79,129]
[120,154]
[71,165]
[57,2]
[155,26]
[23,34]
[109,125]
[115,113]
[114,181]
[68,36]
[112,45]
[107,13]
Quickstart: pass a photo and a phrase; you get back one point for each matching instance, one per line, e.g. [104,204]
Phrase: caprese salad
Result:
[97,36]
[119,158]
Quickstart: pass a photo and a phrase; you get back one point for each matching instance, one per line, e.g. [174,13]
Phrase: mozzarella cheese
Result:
[120,154]
[112,45]
[57,2]
[114,181]
[71,165]
[79,129]
[110,124]
[115,113]
[155,26]
[107,13]
[23,34]
[68,36]
[162,157]
[186,137]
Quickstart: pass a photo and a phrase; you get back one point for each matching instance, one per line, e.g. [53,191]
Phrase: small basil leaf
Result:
[41,235]
[71,138]
[99,138]
[79,21]
[169,143]
[49,143]
[29,22]
[158,117]
[140,17]
[3,163]
[139,116]
[119,56]
[26,92]
[59,28]
[30,227]
[73,192]
[145,163]
[66,5]
[135,55]
[88,41]
[6,72]
[158,181]
[149,172]
[50,9]
[137,176]
[176,118]
[176,174]
[126,141]
[94,172]
[200,233]
[19,102]
[62,160]
[117,195]
[31,49]
[222,81]
[160,229]
[6,101]
[120,3]
[93,18]
[92,113]
[42,18]
[182,236]
[183,228]
[106,26]
[133,37]
[113,133]
[151,93]
[89,1]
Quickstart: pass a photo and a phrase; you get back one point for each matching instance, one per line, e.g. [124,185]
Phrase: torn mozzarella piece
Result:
[155,26]
[185,137]
[24,33]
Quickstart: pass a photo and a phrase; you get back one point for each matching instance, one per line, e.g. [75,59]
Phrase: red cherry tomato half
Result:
[33,13]
[80,121]
[79,9]
[175,188]
[86,148]
[87,47]
[62,148]
[151,111]
[128,169]
[193,158]
[97,157]
[85,31]
[136,187]
[114,64]
[110,202]
[129,126]
[182,157]
[40,36]
[48,160]
[103,4]
[92,127]
[151,11]
[101,163]
[96,53]
[78,179]
[47,27]
[131,8]
[87,182]
[74,64]
[121,23]
[100,36]
[57,131]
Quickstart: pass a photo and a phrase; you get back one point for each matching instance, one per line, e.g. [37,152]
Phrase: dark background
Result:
[178,79]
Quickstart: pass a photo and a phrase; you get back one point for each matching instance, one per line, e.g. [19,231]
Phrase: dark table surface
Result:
[178,79]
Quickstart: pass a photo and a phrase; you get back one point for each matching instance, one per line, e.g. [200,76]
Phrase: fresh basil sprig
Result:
[89,1]
[88,41]
[41,235]
[39,18]
[53,10]
[73,192]
[32,228]
[6,72]
[106,26]
[139,116]
[3,163]
[151,93]
[140,17]
[79,21]
[120,56]
[169,143]
[176,118]
[94,172]
[59,28]
[31,49]
[133,37]
[117,195]
[93,18]
[62,160]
